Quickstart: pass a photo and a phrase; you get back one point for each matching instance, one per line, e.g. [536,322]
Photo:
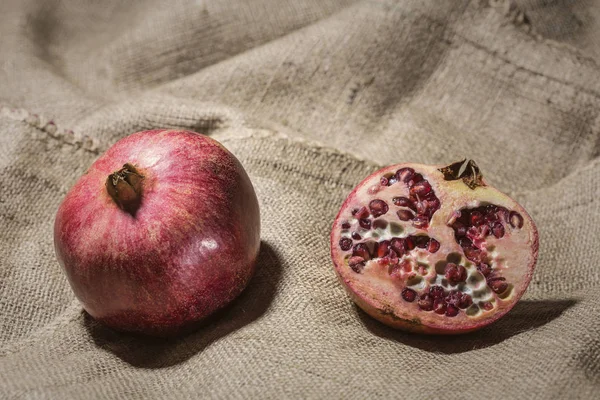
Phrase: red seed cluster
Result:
[422,201]
[438,300]
[474,225]
[388,251]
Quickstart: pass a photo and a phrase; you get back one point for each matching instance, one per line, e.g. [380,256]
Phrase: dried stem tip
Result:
[125,188]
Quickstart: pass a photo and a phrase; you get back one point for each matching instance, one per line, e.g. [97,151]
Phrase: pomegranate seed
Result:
[498,286]
[383,248]
[361,250]
[465,242]
[393,257]
[516,220]
[392,180]
[421,188]
[404,202]
[356,263]
[453,297]
[451,311]
[421,222]
[409,295]
[409,243]
[356,236]
[421,207]
[405,174]
[476,218]
[404,215]
[503,215]
[365,223]
[399,246]
[434,204]
[473,254]
[437,292]
[486,305]
[345,243]
[484,269]
[465,301]
[362,213]
[439,307]
[346,225]
[425,302]
[484,231]
[460,229]
[455,273]
[434,246]
[384,181]
[498,230]
[490,217]
[473,233]
[378,207]
[415,179]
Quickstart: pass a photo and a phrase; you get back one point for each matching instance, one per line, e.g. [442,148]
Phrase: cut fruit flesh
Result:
[428,249]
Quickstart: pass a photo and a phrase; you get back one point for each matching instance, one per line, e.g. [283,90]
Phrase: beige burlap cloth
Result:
[311,96]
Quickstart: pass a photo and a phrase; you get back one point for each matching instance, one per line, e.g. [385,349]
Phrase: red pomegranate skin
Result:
[188,250]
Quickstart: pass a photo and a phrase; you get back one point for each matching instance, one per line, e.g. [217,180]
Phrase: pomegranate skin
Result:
[378,287]
[188,250]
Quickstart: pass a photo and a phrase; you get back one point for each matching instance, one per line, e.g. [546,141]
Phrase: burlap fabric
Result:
[311,96]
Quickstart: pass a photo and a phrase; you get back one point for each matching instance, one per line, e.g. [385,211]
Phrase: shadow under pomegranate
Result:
[152,352]
[525,316]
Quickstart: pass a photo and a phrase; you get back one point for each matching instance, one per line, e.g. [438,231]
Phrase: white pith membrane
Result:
[376,285]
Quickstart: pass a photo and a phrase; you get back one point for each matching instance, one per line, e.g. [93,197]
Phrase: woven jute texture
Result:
[311,96]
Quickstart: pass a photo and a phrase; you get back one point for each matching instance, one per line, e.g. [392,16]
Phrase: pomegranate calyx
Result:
[467,170]
[125,188]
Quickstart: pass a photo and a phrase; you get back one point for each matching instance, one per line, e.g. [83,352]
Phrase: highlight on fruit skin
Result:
[433,249]
[162,231]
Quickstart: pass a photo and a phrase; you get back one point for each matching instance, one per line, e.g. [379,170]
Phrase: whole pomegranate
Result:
[159,233]
[433,249]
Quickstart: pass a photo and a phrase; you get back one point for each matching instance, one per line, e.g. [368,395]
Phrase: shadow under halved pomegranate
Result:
[433,249]
[161,231]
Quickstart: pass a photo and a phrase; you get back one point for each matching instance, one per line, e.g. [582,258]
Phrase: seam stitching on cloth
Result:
[48,126]
[92,145]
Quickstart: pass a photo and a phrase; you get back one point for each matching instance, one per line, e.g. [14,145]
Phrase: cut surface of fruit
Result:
[433,249]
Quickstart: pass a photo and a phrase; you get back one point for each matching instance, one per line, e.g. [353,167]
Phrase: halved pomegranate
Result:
[433,249]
